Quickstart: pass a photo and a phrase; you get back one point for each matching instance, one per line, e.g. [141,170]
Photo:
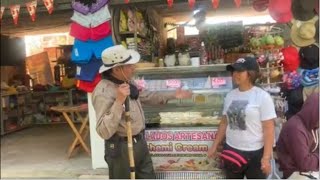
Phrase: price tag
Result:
[173,83]
[217,82]
[141,83]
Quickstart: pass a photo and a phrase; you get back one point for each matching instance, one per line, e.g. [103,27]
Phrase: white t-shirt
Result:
[245,111]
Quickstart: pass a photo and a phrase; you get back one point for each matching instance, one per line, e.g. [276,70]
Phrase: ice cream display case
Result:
[179,133]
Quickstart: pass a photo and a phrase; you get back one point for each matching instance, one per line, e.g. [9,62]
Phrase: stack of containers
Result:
[91,28]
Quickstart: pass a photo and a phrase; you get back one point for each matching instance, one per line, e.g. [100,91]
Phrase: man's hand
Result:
[265,166]
[122,92]
[182,94]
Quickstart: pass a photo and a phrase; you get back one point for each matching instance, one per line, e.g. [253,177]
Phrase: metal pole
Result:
[129,136]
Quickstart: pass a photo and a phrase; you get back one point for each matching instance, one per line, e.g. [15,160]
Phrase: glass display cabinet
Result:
[180,132]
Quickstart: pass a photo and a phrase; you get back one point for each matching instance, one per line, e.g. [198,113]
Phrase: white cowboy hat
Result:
[118,56]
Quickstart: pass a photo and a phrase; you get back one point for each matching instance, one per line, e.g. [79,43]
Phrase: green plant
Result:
[183,48]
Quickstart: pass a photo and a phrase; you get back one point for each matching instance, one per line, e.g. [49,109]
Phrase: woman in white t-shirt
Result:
[247,125]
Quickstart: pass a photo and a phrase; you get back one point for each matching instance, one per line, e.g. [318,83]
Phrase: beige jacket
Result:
[110,114]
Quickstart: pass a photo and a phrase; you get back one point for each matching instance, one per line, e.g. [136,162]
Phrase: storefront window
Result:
[223,19]
[36,44]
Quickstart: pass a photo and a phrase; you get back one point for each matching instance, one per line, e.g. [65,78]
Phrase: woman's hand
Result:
[266,166]
[212,152]
[182,94]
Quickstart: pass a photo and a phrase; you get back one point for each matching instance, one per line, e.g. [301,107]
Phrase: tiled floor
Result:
[41,152]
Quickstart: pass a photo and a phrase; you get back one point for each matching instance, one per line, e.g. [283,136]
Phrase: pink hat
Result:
[84,34]
[280,10]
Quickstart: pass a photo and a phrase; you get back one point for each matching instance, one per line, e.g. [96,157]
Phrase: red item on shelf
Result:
[88,86]
[215,3]
[291,59]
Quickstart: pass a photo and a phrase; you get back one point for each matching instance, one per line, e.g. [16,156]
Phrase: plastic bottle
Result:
[161,63]
[203,55]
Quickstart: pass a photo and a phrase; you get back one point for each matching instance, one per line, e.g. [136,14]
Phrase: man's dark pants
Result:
[116,156]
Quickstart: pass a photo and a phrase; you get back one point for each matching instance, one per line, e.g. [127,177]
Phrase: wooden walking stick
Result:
[129,136]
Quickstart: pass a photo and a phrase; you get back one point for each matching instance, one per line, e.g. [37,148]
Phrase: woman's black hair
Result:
[106,74]
[253,76]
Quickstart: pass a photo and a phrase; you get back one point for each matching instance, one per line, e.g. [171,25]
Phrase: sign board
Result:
[216,82]
[38,66]
[181,149]
[173,83]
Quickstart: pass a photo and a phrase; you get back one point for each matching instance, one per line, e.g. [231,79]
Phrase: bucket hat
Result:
[303,10]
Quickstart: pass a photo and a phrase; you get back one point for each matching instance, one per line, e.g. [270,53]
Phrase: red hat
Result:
[291,59]
[88,86]
[280,10]
[260,5]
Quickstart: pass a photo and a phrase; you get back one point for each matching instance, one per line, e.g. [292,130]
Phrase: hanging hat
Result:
[303,33]
[303,10]
[291,80]
[80,7]
[84,34]
[116,56]
[88,86]
[291,59]
[309,57]
[280,10]
[87,72]
[98,5]
[83,50]
[260,5]
[92,19]
[309,77]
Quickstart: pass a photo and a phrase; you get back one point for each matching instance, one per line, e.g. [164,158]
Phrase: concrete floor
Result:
[41,152]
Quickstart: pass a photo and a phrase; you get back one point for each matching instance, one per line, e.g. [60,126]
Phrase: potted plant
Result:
[170,58]
[184,56]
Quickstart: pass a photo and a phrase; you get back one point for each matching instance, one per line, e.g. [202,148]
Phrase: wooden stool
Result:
[82,133]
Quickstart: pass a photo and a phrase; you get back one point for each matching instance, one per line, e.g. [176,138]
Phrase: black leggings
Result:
[252,170]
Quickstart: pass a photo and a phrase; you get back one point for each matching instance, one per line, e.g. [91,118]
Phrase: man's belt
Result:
[135,138]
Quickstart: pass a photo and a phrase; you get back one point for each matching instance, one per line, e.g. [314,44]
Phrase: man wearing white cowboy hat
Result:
[108,99]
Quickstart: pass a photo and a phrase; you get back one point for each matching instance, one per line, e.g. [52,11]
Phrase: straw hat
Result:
[118,56]
[303,33]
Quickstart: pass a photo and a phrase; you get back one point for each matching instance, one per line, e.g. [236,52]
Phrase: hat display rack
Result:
[270,57]
[92,32]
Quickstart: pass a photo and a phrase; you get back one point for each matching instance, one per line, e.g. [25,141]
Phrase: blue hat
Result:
[309,77]
[83,50]
[87,72]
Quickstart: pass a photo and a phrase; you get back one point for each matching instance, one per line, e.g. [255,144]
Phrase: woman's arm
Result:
[219,138]
[267,117]
[268,138]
